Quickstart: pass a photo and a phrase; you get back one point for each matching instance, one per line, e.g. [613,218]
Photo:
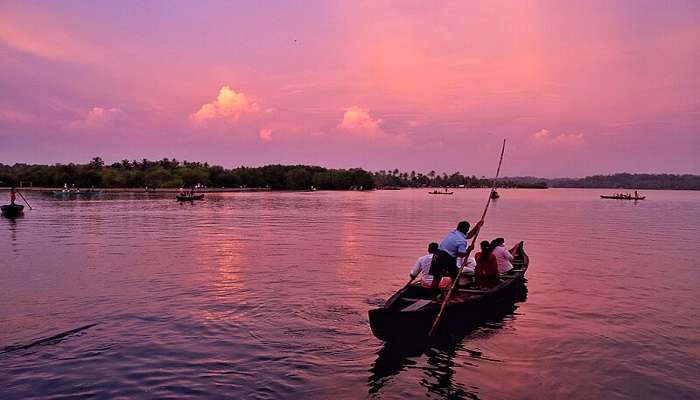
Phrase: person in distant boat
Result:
[421,269]
[452,246]
[635,194]
[486,272]
[13,196]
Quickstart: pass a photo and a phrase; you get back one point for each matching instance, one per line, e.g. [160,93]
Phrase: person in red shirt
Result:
[13,196]
[486,271]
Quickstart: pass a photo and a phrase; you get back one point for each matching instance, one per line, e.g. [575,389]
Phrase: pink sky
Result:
[577,88]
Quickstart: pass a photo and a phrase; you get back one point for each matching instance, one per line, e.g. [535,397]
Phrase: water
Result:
[265,295]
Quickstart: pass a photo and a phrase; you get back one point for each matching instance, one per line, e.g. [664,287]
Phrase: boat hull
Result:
[623,198]
[392,326]
[190,198]
[12,210]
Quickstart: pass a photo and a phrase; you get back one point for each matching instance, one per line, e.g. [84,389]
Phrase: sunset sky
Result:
[577,88]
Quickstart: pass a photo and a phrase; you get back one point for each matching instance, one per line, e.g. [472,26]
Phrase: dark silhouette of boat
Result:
[12,210]
[77,193]
[190,197]
[625,197]
[440,192]
[410,312]
[494,194]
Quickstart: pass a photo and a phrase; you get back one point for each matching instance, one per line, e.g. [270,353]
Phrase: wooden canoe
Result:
[190,198]
[12,210]
[622,197]
[410,312]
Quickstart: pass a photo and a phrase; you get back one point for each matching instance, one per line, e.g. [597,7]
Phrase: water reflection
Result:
[441,351]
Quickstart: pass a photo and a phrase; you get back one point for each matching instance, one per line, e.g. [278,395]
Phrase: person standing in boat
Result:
[452,246]
[13,195]
[421,269]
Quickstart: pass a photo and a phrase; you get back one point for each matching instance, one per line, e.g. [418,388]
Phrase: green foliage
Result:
[633,181]
[170,173]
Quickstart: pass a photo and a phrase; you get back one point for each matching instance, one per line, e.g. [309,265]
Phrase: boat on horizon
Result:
[440,192]
[494,194]
[622,197]
[193,197]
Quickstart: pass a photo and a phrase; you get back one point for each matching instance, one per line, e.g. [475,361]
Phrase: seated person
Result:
[468,267]
[422,269]
[486,271]
[503,255]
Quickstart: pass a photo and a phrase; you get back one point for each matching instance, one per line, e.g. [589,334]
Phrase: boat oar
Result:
[455,283]
[25,200]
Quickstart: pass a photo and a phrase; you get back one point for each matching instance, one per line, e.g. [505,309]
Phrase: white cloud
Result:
[358,119]
[540,135]
[97,118]
[229,105]
[544,138]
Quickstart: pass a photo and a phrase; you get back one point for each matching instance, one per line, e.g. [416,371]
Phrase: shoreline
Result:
[140,190]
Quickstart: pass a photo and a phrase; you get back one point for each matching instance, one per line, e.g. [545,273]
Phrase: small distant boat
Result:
[494,194]
[440,192]
[190,197]
[623,197]
[12,210]
[76,193]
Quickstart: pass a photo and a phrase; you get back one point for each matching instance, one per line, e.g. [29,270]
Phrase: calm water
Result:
[265,295]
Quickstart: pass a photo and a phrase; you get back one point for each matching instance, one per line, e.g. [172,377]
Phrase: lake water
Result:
[265,295]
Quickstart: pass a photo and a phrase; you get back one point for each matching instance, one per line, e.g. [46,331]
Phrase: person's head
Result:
[498,242]
[486,249]
[463,226]
[432,248]
[484,245]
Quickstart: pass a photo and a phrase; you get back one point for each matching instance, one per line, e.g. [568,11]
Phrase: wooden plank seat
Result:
[417,305]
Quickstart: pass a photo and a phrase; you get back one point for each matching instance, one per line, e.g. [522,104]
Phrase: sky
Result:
[576,88]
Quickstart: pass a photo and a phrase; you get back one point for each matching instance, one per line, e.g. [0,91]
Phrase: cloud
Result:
[544,138]
[97,118]
[542,134]
[265,135]
[359,123]
[357,119]
[229,105]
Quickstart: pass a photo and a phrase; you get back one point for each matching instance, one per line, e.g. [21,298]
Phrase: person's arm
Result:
[475,230]
[465,252]
[507,254]
[415,270]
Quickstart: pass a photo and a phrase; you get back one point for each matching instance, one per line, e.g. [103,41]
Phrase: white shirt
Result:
[503,257]
[422,268]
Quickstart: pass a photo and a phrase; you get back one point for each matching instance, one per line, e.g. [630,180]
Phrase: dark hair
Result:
[432,247]
[497,242]
[486,249]
[463,226]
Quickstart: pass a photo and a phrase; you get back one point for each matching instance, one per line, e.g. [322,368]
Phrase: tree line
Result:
[632,181]
[396,178]
[171,173]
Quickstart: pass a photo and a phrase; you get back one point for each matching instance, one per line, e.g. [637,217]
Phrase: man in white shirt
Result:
[422,269]
[503,255]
